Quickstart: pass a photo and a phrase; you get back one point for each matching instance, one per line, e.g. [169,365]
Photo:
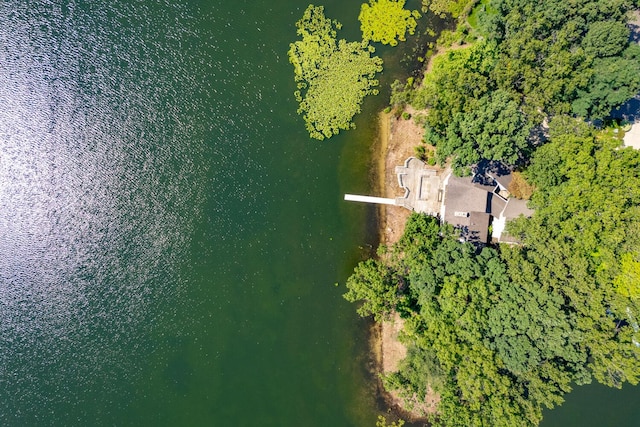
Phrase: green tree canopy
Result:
[333,75]
[493,128]
[627,283]
[469,118]
[550,50]
[606,38]
[538,59]
[387,21]
[581,238]
[503,333]
[494,360]
[614,80]
[374,284]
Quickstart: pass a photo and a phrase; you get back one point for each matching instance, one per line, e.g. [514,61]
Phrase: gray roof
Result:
[467,206]
[497,204]
[515,208]
[470,202]
[502,180]
[477,230]
[462,196]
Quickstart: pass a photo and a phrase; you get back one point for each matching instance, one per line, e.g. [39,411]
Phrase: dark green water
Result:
[598,406]
[169,237]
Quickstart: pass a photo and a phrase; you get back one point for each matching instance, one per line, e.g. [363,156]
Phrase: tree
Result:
[627,283]
[386,21]
[401,93]
[494,128]
[454,309]
[458,83]
[333,75]
[549,48]
[580,239]
[469,118]
[373,283]
[536,59]
[614,80]
[456,79]
[606,38]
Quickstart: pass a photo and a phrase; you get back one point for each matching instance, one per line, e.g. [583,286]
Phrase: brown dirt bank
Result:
[398,137]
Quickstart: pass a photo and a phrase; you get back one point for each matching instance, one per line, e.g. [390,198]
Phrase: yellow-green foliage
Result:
[387,21]
[444,7]
[318,42]
[333,75]
[627,283]
[382,422]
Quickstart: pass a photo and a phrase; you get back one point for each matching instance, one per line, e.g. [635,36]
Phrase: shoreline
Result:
[396,140]
[381,146]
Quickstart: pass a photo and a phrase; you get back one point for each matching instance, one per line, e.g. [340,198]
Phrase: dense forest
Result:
[520,63]
[501,332]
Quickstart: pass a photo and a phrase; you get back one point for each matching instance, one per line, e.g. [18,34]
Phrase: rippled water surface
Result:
[169,238]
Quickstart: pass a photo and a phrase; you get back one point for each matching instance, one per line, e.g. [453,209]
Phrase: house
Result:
[479,206]
[476,204]
[467,206]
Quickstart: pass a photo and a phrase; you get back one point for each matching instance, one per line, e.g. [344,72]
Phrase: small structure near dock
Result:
[422,189]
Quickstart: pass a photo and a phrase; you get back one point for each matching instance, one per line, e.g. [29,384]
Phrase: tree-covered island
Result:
[501,332]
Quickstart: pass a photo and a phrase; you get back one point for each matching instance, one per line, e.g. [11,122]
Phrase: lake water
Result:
[169,236]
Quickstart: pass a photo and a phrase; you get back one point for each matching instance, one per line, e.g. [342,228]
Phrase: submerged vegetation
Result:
[334,76]
[387,21]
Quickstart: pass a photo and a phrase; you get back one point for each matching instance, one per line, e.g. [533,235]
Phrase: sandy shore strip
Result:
[398,139]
